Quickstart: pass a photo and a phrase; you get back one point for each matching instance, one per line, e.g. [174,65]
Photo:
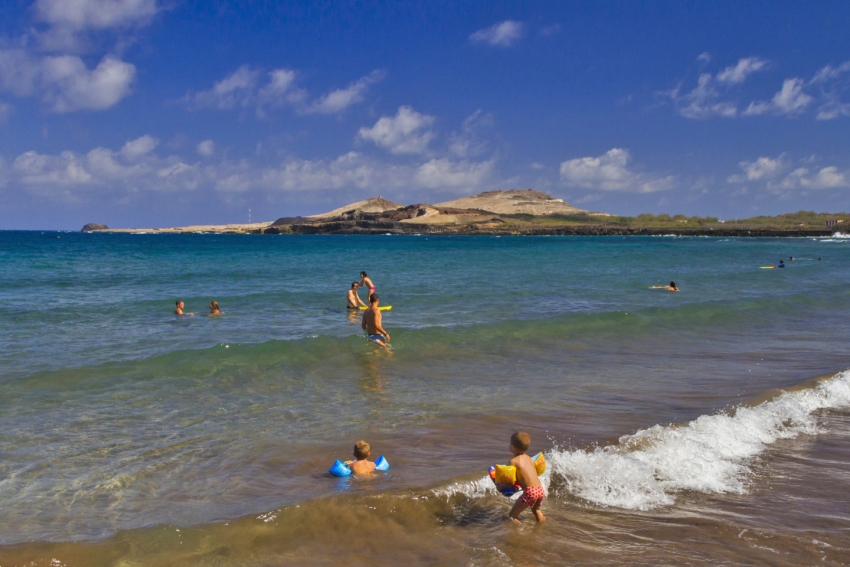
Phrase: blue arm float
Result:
[341,469]
[381,464]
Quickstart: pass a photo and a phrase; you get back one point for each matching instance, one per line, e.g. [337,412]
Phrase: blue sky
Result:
[174,112]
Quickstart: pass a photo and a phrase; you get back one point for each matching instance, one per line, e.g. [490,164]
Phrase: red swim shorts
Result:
[532,495]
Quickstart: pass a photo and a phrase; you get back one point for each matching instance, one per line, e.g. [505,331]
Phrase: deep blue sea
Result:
[131,436]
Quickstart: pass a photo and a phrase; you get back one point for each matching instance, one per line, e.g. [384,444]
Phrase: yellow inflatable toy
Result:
[506,474]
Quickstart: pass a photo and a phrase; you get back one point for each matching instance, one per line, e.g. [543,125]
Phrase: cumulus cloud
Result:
[64,82]
[446,174]
[340,99]
[740,72]
[503,34]
[832,80]
[762,168]
[774,174]
[138,167]
[824,178]
[789,100]
[134,149]
[206,148]
[408,132]
[99,14]
[610,172]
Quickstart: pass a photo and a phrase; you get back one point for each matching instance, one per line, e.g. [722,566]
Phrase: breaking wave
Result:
[711,454]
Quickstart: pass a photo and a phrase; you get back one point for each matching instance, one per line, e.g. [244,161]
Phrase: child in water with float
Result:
[526,473]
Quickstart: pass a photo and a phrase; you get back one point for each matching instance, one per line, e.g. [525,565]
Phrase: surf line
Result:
[710,454]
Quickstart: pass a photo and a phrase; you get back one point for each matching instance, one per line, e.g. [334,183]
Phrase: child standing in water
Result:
[362,452]
[526,477]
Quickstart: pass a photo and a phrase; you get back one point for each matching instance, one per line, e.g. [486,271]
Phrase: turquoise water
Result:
[116,415]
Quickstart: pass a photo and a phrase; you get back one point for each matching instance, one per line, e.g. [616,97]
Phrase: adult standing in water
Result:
[364,280]
[372,322]
[354,301]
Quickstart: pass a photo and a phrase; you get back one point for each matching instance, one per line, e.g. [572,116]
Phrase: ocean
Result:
[705,427]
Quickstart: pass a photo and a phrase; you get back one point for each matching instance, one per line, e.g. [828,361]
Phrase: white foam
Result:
[711,454]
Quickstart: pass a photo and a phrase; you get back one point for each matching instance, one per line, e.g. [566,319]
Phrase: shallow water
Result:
[662,415]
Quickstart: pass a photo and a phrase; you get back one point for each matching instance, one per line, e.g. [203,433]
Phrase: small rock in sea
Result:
[92,226]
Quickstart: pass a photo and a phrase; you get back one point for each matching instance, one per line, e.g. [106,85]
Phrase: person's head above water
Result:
[364,275]
[781,261]
[213,305]
[373,298]
[672,284]
[520,441]
[355,285]
[362,450]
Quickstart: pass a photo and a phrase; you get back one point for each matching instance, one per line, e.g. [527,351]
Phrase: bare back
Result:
[372,321]
[526,473]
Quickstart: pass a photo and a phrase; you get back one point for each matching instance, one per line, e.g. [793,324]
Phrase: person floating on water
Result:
[671,287]
[790,258]
[526,477]
[362,465]
[179,308]
[354,301]
[214,310]
[364,280]
[372,322]
[781,264]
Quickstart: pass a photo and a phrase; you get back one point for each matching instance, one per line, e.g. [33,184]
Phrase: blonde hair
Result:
[361,449]
[521,440]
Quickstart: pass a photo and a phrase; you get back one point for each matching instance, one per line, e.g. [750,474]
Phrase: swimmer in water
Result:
[781,264]
[372,322]
[354,301]
[364,280]
[179,306]
[214,310]
[671,287]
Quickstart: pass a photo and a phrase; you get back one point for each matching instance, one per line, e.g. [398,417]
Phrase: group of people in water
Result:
[180,306]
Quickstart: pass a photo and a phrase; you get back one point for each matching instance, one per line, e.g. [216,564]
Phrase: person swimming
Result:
[671,287]
[781,264]
[353,298]
[214,310]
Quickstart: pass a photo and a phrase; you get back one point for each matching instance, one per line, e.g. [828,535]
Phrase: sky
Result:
[150,113]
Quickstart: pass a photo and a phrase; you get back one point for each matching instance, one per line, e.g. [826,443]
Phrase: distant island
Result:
[514,212]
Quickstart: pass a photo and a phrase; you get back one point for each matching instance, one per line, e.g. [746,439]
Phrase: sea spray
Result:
[711,454]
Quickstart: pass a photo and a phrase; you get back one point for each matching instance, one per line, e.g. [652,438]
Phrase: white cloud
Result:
[64,82]
[340,99]
[702,101]
[246,87]
[824,178]
[739,73]
[762,168]
[831,72]
[71,86]
[137,167]
[789,100]
[408,132]
[610,172]
[139,147]
[503,34]
[206,148]
[6,111]
[99,14]
[237,89]
[443,173]
[704,57]
[469,141]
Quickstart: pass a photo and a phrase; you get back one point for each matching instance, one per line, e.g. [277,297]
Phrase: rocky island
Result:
[513,212]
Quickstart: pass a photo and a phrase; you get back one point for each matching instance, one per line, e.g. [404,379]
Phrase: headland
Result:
[515,212]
